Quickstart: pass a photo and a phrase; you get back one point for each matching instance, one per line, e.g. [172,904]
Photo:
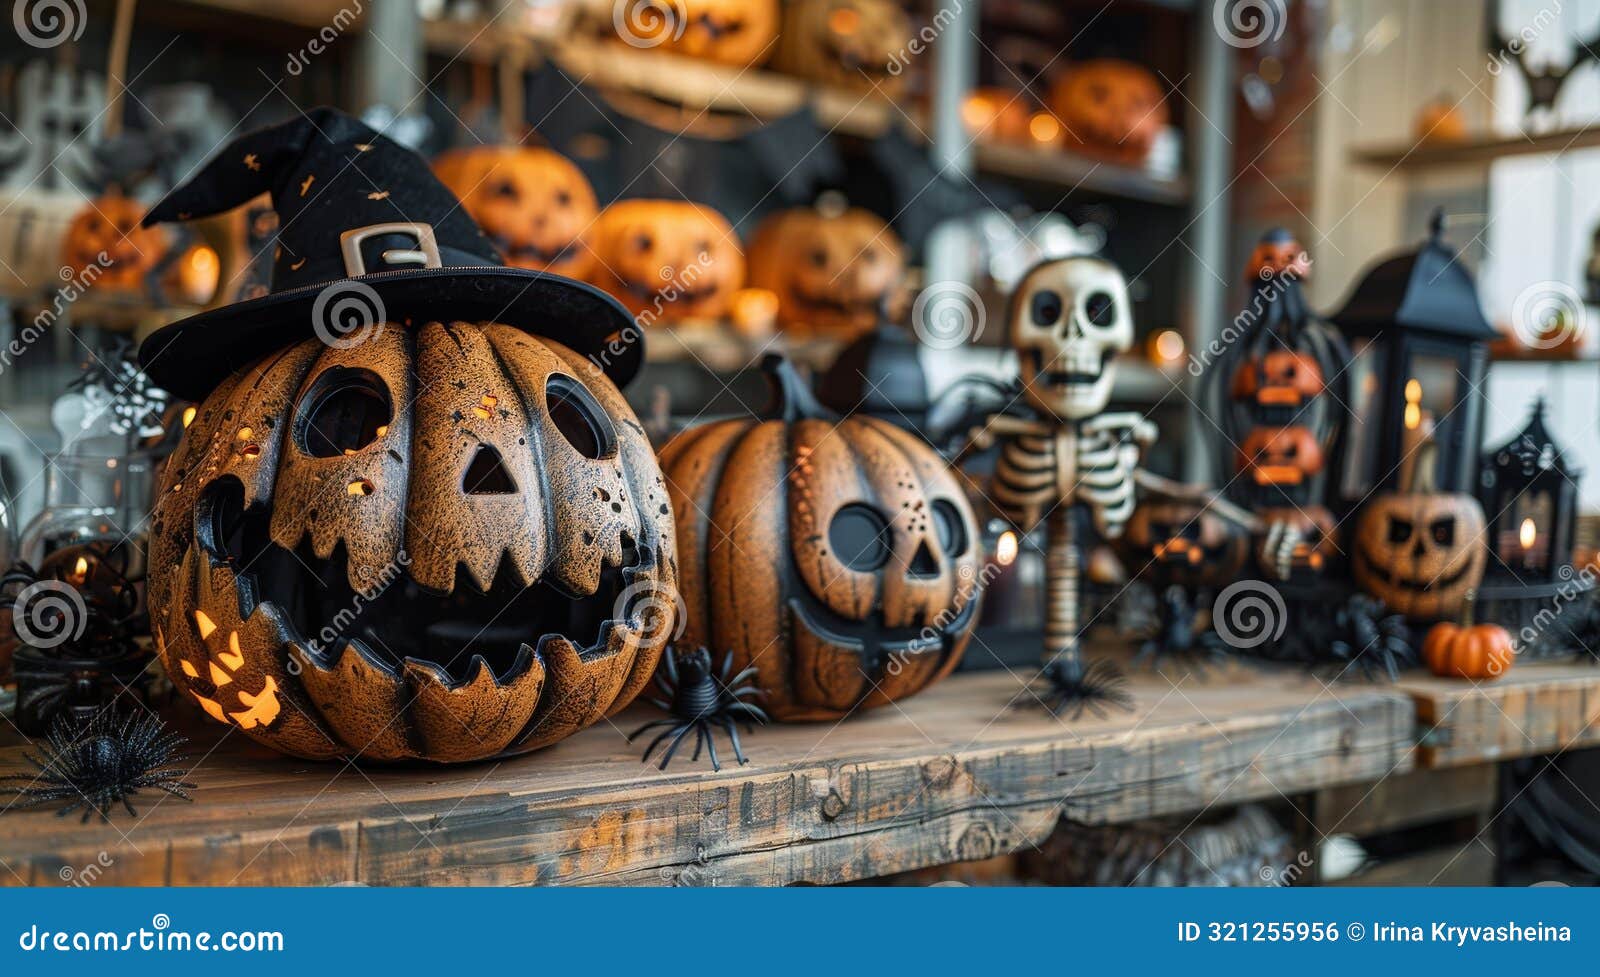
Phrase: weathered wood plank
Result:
[951,775]
[1534,709]
[1405,800]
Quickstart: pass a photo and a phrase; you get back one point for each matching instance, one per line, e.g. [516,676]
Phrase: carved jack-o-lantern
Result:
[1279,378]
[836,556]
[850,43]
[533,203]
[420,546]
[1114,109]
[1420,551]
[667,260]
[736,32]
[109,226]
[1183,543]
[833,274]
[1280,455]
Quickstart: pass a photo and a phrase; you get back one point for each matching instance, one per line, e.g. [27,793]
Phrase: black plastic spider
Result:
[1070,689]
[1574,632]
[1178,635]
[698,702]
[101,763]
[1363,635]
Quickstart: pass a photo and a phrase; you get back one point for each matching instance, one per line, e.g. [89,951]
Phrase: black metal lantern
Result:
[1420,347]
[1531,498]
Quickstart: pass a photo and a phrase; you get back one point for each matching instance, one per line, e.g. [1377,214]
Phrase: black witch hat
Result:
[366,235]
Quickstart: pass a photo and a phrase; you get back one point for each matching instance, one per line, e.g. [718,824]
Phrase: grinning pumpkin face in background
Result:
[1183,543]
[735,32]
[1286,456]
[667,260]
[412,548]
[1278,378]
[110,225]
[1421,553]
[833,275]
[534,204]
[1110,108]
[853,44]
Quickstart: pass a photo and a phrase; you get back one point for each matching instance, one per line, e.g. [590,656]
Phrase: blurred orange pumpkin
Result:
[1479,651]
[533,203]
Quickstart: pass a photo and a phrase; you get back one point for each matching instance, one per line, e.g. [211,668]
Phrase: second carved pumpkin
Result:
[849,43]
[1110,108]
[667,260]
[838,557]
[106,241]
[833,273]
[535,204]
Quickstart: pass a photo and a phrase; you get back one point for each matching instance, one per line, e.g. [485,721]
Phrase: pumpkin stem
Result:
[791,399]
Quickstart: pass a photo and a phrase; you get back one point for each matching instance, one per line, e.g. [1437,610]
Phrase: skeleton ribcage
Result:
[1024,487]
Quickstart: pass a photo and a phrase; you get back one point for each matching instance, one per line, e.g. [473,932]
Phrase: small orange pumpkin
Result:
[533,203]
[667,260]
[1110,108]
[1440,123]
[1478,651]
[109,226]
[833,273]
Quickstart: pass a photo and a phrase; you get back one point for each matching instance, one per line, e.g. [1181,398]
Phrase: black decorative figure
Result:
[699,700]
[102,763]
[1366,636]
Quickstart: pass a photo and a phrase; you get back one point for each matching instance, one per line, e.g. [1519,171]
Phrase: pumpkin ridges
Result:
[757,522]
[708,446]
[818,445]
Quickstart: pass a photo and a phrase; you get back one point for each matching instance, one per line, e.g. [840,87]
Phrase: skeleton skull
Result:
[1069,318]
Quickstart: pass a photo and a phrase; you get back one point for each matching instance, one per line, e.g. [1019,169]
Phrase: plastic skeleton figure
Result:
[1068,319]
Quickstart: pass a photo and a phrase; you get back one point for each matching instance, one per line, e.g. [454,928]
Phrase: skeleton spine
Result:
[1061,571]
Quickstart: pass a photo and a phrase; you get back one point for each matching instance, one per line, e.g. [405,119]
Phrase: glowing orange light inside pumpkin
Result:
[844,21]
[485,406]
[360,487]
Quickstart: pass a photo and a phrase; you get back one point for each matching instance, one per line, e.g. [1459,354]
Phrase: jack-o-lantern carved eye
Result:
[1046,308]
[819,258]
[344,410]
[950,527]
[1099,92]
[1399,530]
[563,198]
[702,249]
[1101,309]
[1443,531]
[505,188]
[642,243]
[579,417]
[859,537]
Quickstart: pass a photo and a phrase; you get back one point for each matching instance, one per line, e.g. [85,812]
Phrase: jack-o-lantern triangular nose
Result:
[487,474]
[1419,548]
[923,565]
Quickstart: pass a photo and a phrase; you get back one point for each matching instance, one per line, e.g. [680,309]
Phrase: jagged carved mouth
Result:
[1395,579]
[667,295]
[519,251]
[850,59]
[875,640]
[865,305]
[391,619]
